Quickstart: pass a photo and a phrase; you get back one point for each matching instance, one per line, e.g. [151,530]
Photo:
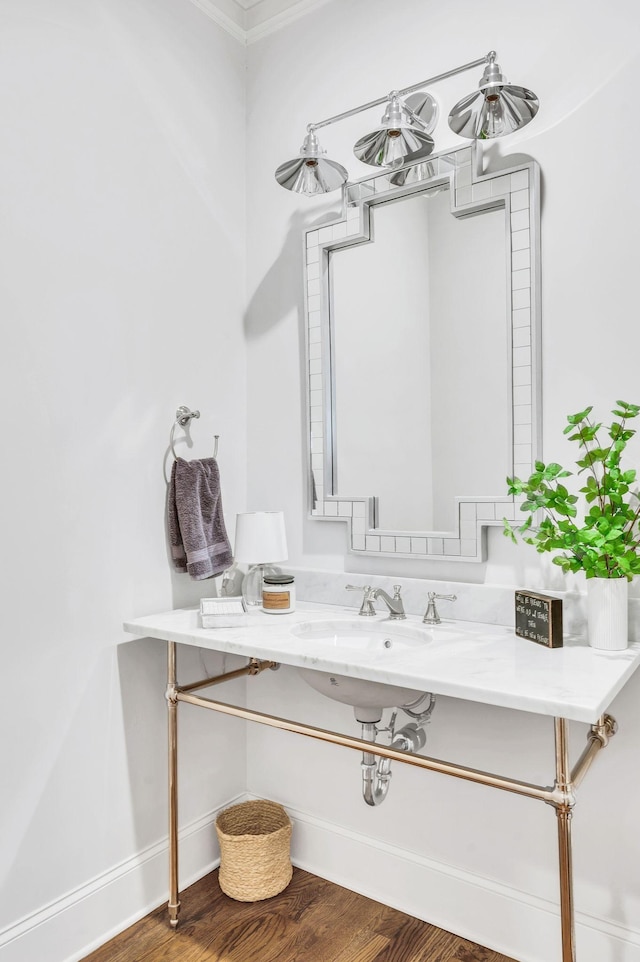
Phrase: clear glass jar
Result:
[278,594]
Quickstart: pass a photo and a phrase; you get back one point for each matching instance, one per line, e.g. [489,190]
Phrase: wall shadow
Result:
[280,290]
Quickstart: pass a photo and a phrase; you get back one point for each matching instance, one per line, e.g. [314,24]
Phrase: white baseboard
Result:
[71,927]
[512,922]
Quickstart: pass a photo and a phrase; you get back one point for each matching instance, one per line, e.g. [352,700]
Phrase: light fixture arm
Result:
[488,58]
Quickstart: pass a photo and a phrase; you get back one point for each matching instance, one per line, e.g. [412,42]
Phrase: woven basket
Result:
[254,839]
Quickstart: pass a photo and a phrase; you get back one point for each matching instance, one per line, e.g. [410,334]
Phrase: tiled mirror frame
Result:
[517,189]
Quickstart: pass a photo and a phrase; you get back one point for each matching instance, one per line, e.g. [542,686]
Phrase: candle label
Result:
[539,618]
[274,600]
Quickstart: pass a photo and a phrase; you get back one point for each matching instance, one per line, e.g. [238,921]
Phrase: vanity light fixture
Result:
[497,108]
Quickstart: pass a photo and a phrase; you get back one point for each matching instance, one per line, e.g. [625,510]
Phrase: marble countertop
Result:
[462,659]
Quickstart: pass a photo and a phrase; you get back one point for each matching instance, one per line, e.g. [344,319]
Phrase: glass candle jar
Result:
[278,594]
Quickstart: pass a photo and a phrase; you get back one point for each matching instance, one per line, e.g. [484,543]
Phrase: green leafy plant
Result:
[604,541]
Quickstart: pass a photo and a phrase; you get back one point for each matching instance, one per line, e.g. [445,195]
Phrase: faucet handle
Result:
[366,608]
[431,616]
[396,591]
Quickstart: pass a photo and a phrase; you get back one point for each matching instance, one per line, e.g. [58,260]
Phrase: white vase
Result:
[607,618]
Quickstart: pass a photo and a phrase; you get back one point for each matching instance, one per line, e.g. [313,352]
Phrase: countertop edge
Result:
[428,669]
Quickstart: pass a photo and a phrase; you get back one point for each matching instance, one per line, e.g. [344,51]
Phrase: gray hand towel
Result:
[197,533]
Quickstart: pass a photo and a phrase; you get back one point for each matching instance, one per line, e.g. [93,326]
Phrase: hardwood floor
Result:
[311,921]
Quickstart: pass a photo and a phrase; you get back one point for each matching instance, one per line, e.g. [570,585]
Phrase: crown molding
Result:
[231,18]
[268,16]
[250,20]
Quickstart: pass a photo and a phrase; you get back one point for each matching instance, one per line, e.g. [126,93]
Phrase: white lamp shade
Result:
[260,537]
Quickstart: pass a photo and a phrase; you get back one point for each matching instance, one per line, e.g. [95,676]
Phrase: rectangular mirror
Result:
[422,312]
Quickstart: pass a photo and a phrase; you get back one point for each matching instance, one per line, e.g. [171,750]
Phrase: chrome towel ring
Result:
[183,416]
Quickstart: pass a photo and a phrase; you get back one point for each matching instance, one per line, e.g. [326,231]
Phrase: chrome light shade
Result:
[402,135]
[311,173]
[497,108]
[414,173]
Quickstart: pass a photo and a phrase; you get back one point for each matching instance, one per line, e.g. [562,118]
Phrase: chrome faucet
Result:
[431,616]
[395,605]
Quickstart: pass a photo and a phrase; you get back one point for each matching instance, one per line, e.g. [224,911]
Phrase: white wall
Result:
[582,60]
[122,269]
[122,278]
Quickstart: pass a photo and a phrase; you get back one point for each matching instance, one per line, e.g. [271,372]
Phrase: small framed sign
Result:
[539,618]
